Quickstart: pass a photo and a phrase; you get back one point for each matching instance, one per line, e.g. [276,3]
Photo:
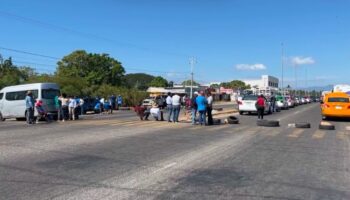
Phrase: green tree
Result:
[94,69]
[159,82]
[11,74]
[138,81]
[235,84]
[188,83]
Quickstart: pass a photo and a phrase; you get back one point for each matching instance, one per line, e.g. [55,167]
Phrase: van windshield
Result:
[49,93]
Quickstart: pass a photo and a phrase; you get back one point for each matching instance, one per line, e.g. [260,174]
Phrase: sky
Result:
[228,39]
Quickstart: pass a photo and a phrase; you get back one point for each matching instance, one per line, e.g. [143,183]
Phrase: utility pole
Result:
[192,63]
[295,76]
[282,63]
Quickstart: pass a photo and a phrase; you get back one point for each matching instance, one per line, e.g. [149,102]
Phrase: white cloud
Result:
[299,60]
[253,67]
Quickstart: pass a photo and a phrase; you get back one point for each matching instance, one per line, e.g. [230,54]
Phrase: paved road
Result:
[122,158]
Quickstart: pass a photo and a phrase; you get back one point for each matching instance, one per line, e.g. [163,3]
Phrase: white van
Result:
[12,99]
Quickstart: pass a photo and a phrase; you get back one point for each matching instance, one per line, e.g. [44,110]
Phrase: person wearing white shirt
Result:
[169,106]
[156,112]
[72,105]
[176,100]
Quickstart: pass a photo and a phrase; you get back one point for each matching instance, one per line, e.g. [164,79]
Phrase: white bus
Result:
[12,99]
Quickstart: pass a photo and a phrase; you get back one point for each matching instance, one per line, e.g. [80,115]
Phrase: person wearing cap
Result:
[194,108]
[30,107]
[156,112]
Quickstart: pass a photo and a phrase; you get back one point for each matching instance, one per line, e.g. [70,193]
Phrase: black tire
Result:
[1,118]
[268,123]
[232,120]
[240,112]
[326,126]
[302,125]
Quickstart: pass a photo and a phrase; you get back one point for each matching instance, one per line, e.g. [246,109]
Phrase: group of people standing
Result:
[202,103]
[68,107]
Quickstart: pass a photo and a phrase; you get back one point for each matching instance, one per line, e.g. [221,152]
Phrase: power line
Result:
[29,53]
[87,35]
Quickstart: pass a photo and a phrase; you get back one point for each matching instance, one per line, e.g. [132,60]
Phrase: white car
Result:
[148,102]
[247,104]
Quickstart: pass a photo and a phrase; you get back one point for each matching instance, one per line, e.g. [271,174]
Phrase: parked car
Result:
[247,104]
[336,104]
[290,101]
[281,102]
[149,101]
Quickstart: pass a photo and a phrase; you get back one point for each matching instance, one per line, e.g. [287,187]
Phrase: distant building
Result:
[266,85]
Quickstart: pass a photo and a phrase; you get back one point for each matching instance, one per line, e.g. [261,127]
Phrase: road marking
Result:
[165,167]
[296,133]
[347,128]
[273,133]
[318,134]
[341,135]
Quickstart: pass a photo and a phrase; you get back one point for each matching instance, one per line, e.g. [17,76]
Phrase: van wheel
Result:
[240,112]
[1,118]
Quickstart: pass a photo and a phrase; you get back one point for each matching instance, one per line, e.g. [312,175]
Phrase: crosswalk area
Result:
[293,134]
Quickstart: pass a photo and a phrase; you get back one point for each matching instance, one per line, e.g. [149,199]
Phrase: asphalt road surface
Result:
[113,157]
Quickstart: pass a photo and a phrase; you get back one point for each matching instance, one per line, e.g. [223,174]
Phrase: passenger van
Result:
[12,99]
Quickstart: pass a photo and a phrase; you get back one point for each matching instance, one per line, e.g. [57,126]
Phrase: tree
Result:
[94,69]
[188,83]
[159,82]
[235,84]
[11,74]
[215,85]
[138,81]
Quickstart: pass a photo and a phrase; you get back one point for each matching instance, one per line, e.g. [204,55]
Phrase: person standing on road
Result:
[260,106]
[30,107]
[176,100]
[169,106]
[112,101]
[72,105]
[273,102]
[65,103]
[58,106]
[201,105]
[81,103]
[194,108]
[210,108]
[120,101]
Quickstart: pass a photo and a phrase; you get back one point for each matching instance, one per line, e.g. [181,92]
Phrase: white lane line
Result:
[318,134]
[165,167]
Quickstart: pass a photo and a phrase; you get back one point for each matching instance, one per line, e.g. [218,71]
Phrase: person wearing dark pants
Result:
[209,108]
[29,107]
[260,106]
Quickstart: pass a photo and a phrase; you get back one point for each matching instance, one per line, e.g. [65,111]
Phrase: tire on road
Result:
[232,120]
[302,125]
[268,123]
[240,112]
[326,126]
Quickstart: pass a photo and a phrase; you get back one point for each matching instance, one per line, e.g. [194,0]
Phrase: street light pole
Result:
[192,63]
[282,62]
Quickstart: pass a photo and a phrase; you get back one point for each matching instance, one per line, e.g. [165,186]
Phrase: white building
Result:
[266,85]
